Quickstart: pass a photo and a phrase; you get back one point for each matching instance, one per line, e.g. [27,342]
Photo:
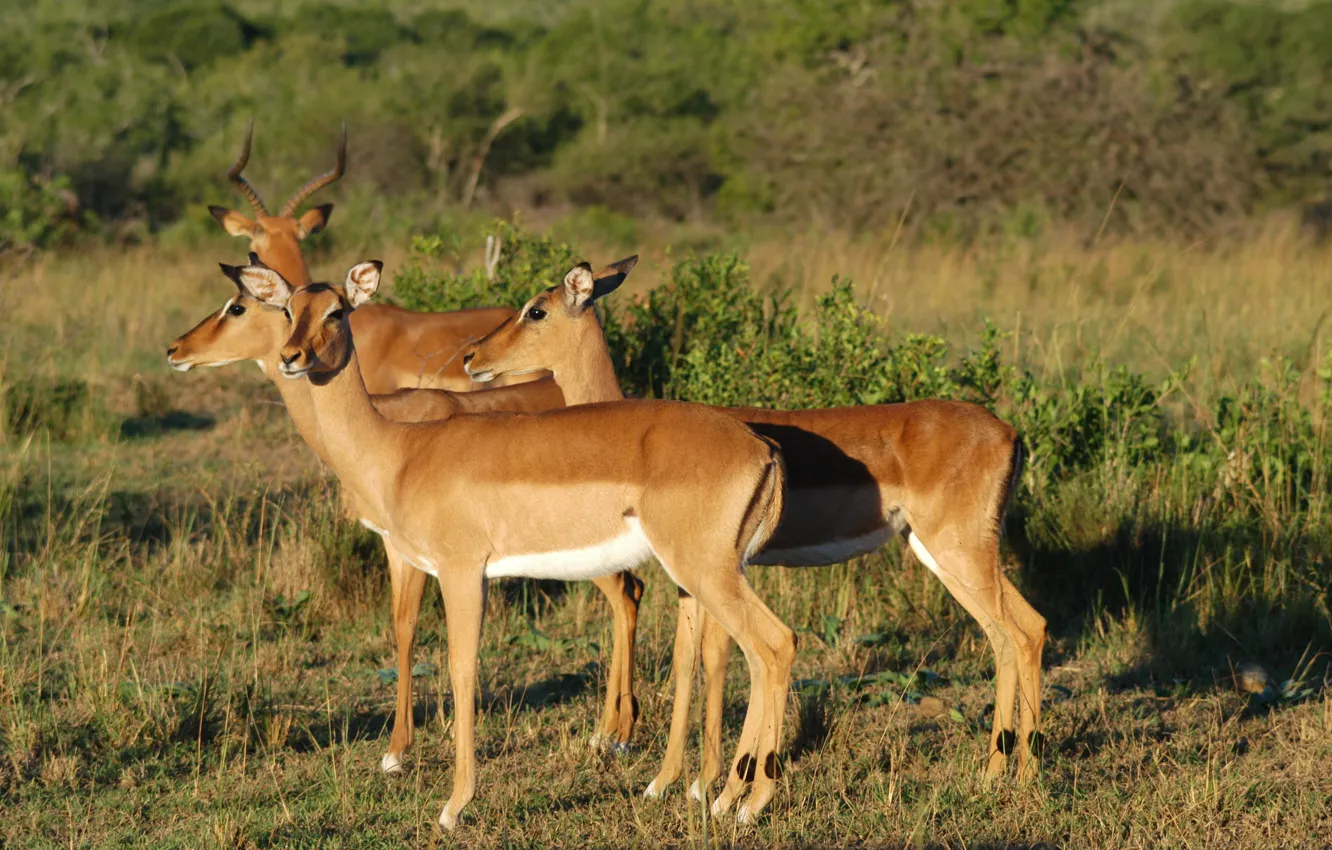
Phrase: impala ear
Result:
[609,279]
[313,220]
[362,281]
[578,286]
[233,222]
[264,284]
[233,274]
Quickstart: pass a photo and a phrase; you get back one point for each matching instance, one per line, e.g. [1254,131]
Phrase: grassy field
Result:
[193,645]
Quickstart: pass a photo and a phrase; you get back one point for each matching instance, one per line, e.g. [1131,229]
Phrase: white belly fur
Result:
[832,552]
[625,552]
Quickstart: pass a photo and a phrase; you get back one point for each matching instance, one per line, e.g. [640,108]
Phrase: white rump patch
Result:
[822,554]
[924,554]
[625,552]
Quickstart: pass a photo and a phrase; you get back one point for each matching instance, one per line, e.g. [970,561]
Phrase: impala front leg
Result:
[407,586]
[682,665]
[464,612]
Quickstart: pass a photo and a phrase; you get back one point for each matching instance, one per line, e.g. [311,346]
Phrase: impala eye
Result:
[536,314]
[336,315]
[286,313]
[236,310]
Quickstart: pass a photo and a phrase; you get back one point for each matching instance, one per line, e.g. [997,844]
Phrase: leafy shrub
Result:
[366,31]
[190,34]
[35,213]
[975,116]
[527,264]
[1274,65]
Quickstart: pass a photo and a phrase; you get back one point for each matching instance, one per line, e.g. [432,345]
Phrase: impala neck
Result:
[300,407]
[362,446]
[589,376]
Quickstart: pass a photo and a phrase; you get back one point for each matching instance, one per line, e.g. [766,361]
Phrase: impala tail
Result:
[1010,485]
[765,509]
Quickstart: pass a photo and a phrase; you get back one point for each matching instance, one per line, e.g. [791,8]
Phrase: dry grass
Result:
[158,687]
[1151,306]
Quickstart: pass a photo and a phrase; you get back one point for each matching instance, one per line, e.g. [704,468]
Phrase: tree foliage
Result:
[847,112]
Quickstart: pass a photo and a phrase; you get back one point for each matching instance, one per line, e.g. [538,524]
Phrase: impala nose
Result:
[467,358]
[171,352]
[288,359]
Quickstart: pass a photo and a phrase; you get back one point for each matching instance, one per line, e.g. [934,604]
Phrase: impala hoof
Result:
[620,749]
[720,807]
[696,791]
[745,816]
[391,765]
[655,790]
[448,819]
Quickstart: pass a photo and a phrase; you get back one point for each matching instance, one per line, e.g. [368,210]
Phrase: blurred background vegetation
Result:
[118,117]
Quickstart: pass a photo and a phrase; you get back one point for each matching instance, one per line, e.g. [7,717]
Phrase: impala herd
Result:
[488,443]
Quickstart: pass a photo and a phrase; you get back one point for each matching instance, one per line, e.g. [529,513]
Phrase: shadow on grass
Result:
[1204,598]
[140,427]
[314,731]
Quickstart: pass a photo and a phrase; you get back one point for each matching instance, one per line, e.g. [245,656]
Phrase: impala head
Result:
[550,327]
[317,334]
[276,238]
[243,329]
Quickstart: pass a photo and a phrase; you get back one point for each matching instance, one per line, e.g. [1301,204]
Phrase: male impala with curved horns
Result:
[937,472]
[400,348]
[573,493]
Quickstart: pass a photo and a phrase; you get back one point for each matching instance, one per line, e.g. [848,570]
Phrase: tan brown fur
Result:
[936,471]
[256,334]
[475,492]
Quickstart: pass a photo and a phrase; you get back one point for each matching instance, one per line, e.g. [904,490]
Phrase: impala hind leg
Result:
[716,652]
[1031,626]
[407,586]
[1016,634]
[769,648]
[682,667]
[623,591]
[464,612]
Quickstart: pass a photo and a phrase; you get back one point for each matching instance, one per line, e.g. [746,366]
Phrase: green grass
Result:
[191,639]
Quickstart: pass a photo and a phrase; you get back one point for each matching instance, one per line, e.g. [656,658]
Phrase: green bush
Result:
[35,213]
[190,34]
[976,117]
[367,31]
[527,264]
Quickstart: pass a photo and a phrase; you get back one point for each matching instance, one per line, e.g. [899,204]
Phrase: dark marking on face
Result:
[318,287]
[771,768]
[743,766]
[1006,742]
[1036,740]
